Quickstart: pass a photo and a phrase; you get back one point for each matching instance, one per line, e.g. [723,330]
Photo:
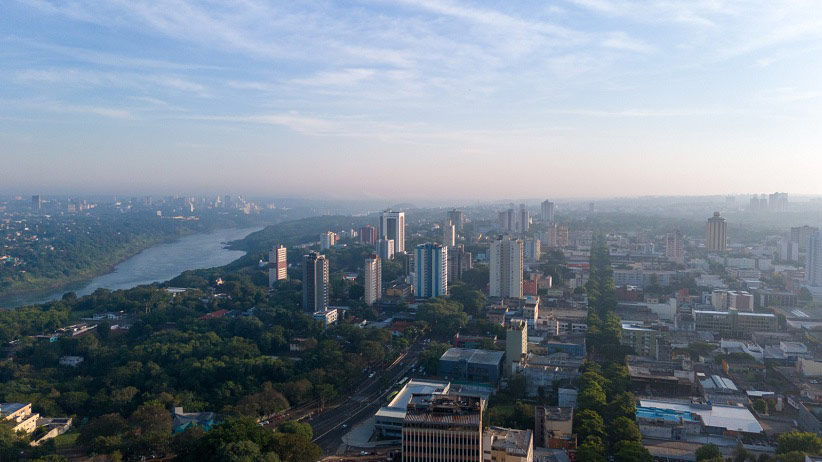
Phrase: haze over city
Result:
[411,99]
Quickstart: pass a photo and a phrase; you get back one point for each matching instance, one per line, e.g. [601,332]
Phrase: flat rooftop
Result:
[733,418]
[473,356]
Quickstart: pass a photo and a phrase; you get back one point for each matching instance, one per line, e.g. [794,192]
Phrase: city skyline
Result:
[145,96]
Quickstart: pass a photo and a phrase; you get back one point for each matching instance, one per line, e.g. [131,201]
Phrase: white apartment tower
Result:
[813,262]
[506,268]
[392,226]
[675,247]
[373,279]
[449,234]
[277,265]
[548,211]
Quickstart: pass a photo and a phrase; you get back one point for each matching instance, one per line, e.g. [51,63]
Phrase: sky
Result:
[411,99]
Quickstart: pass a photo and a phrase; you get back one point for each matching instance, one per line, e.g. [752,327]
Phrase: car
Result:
[344,426]
[371,375]
[363,453]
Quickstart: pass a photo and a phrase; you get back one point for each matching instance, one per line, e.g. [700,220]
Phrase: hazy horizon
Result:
[413,99]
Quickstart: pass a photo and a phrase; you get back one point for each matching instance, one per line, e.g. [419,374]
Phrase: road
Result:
[361,403]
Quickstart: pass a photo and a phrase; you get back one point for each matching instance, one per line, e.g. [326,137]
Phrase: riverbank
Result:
[155,260]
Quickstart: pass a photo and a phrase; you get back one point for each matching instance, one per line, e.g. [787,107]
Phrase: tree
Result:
[707,452]
[761,406]
[622,405]
[473,301]
[631,451]
[11,445]
[103,434]
[592,397]
[623,429]
[793,456]
[592,450]
[150,429]
[799,441]
[297,428]
[589,424]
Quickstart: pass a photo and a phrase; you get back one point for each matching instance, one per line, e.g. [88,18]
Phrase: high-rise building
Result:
[36,202]
[716,234]
[523,219]
[516,344]
[315,282]
[547,211]
[457,217]
[778,202]
[532,249]
[277,265]
[813,261]
[430,270]
[549,236]
[373,279]
[788,250]
[562,236]
[328,239]
[459,261]
[443,427]
[368,234]
[385,249]
[508,221]
[674,246]
[801,235]
[449,234]
[392,226]
[506,268]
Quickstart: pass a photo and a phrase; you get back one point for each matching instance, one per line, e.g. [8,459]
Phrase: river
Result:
[155,264]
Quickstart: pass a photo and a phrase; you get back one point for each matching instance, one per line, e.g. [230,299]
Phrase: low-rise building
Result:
[554,427]
[733,322]
[474,365]
[327,317]
[389,418]
[71,361]
[507,445]
[671,419]
[182,421]
[443,427]
[20,416]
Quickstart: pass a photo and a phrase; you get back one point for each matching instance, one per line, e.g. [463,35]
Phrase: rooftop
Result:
[473,356]
[733,418]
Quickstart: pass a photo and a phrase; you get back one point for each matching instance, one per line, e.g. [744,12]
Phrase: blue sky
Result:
[411,98]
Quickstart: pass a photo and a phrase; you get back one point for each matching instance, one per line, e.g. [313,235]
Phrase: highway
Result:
[361,403]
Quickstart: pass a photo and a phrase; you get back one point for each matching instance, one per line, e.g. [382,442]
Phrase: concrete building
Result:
[813,262]
[532,250]
[19,416]
[801,234]
[506,256]
[459,261]
[734,322]
[507,445]
[372,273]
[443,428]
[778,202]
[523,219]
[449,234]
[36,202]
[392,226]
[277,265]
[548,237]
[385,249]
[547,210]
[457,218]
[474,365]
[327,317]
[716,234]
[508,221]
[788,251]
[562,236]
[516,344]
[430,270]
[71,361]
[642,278]
[368,234]
[315,282]
[389,419]
[642,339]
[675,247]
[328,239]
[552,422]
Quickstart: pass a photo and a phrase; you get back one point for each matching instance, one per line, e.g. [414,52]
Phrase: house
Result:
[182,421]
[20,415]
[214,315]
[71,361]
